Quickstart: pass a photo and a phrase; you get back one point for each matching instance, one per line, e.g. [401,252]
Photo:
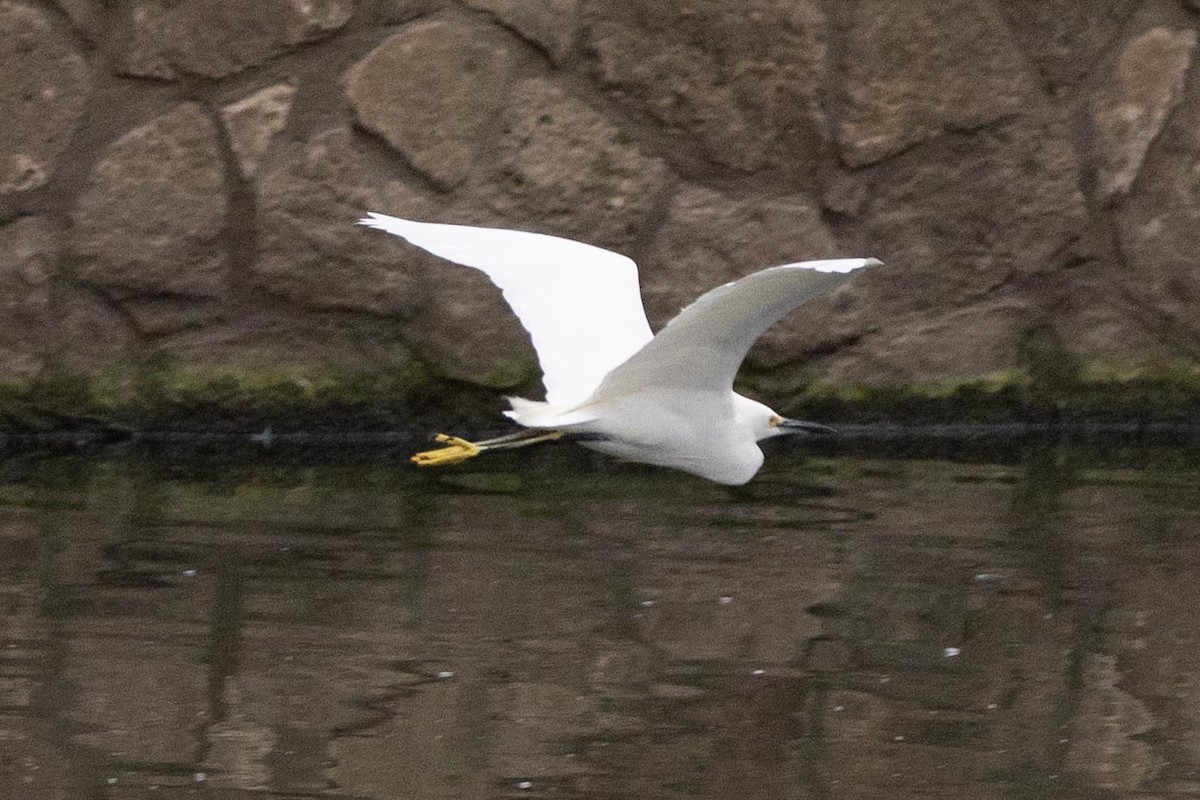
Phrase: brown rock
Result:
[985,210]
[431,91]
[1064,38]
[563,168]
[550,24]
[1131,107]
[42,94]
[150,220]
[560,168]
[84,14]
[311,251]
[252,121]
[1160,226]
[915,70]
[29,260]
[88,333]
[1096,320]
[215,38]
[464,330]
[709,239]
[395,12]
[934,345]
[844,194]
[283,338]
[973,238]
[743,78]
[169,314]
[314,255]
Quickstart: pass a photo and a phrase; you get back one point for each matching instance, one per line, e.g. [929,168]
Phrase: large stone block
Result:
[463,329]
[558,167]
[975,238]
[550,24]
[432,92]
[743,79]
[985,210]
[562,167]
[313,254]
[150,222]
[1159,226]
[709,239]
[1130,108]
[1066,39]
[29,263]
[279,337]
[89,333]
[310,250]
[45,85]
[254,120]
[915,70]
[216,38]
[86,15]
[966,342]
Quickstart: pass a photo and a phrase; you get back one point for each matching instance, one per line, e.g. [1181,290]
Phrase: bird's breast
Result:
[693,432]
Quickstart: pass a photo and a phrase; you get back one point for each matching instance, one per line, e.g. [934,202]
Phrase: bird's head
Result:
[766,423]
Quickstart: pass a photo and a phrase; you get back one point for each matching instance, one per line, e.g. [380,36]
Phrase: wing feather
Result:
[581,304]
[702,348]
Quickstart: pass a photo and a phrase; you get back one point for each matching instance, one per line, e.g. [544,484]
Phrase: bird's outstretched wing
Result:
[702,348]
[581,304]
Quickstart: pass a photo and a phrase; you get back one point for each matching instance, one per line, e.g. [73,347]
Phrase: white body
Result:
[711,434]
[663,399]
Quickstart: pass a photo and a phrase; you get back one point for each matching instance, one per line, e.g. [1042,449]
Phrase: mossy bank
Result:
[157,396]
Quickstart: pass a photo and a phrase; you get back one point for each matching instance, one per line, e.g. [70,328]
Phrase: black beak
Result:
[810,428]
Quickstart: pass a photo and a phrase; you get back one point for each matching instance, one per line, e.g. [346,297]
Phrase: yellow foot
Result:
[456,450]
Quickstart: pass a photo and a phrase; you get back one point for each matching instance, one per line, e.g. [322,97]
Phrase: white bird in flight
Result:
[664,399]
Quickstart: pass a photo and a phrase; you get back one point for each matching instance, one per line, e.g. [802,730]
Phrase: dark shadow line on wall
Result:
[241,250]
[533,44]
[68,282]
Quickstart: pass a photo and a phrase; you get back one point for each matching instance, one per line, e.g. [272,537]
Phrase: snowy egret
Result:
[611,383]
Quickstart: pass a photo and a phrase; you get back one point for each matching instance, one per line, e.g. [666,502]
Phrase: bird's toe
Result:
[456,450]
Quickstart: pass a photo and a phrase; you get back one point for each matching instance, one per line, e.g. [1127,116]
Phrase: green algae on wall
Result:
[157,395]
[1095,393]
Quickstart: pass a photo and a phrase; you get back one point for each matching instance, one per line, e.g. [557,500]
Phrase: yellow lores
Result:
[664,399]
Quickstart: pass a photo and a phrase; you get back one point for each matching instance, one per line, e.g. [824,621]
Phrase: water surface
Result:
[1016,623]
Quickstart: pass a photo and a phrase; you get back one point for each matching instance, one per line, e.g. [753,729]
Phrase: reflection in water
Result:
[842,628]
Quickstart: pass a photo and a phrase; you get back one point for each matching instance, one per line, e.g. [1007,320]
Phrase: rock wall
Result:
[182,177]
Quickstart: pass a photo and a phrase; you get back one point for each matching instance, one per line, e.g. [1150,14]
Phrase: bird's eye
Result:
[775,421]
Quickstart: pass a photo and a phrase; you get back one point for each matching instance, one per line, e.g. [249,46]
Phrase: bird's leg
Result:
[457,449]
[521,439]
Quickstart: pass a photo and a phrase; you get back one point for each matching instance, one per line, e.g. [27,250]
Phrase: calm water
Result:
[1020,625]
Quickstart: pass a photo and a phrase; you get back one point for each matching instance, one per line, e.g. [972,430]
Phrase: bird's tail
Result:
[536,414]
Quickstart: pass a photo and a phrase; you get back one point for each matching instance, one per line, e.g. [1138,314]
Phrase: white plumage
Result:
[665,399]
